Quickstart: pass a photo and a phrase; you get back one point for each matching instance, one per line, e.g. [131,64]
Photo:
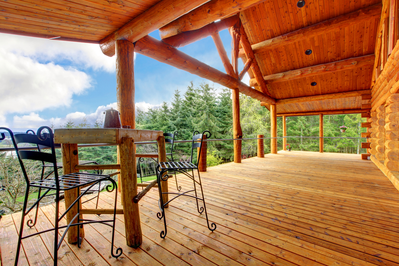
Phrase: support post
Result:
[128,175]
[70,159]
[237,132]
[321,133]
[284,133]
[125,88]
[202,161]
[162,158]
[273,129]
[261,147]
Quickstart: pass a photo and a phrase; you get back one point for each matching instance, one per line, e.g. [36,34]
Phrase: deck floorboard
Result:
[292,208]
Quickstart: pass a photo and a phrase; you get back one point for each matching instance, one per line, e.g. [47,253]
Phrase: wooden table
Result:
[124,138]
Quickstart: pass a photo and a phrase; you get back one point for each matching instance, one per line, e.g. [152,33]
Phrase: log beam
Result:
[324,97]
[165,53]
[321,69]
[188,37]
[250,56]
[152,19]
[323,27]
[331,112]
[204,15]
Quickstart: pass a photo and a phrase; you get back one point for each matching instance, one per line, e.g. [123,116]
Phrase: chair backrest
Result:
[197,140]
[43,139]
[170,138]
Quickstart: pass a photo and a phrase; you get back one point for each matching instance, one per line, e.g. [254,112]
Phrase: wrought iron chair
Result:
[169,138]
[45,175]
[186,168]
[57,184]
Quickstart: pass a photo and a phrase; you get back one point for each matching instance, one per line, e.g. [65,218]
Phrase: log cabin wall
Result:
[384,137]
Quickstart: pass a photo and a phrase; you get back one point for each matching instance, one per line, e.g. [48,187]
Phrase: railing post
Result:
[321,133]
[261,147]
[273,129]
[284,133]
[202,161]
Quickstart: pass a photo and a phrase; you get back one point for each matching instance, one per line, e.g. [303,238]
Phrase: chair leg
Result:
[161,214]
[56,225]
[211,226]
[21,228]
[200,210]
[119,250]
[177,186]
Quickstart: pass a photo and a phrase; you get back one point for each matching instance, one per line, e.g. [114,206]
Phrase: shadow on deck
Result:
[293,208]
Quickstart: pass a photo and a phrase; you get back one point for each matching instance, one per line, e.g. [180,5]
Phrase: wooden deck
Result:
[293,208]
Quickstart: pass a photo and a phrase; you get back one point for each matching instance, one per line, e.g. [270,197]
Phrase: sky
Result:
[50,82]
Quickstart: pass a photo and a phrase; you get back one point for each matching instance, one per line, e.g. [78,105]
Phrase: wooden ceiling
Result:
[340,34]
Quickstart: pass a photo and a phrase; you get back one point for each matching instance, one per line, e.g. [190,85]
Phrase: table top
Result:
[102,135]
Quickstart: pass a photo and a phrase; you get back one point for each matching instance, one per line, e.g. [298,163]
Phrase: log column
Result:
[273,129]
[284,133]
[126,149]
[321,133]
[202,156]
[261,147]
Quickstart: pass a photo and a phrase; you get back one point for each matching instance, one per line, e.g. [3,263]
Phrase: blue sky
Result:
[49,82]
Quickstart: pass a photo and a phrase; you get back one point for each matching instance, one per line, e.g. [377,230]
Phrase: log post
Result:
[321,133]
[70,160]
[125,88]
[261,147]
[273,129]
[284,133]
[202,161]
[162,158]
[128,175]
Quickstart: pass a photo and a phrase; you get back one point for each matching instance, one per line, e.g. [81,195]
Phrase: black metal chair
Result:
[45,175]
[57,184]
[186,168]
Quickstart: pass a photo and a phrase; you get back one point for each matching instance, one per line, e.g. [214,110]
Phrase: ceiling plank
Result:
[324,27]
[335,112]
[321,69]
[188,37]
[167,54]
[330,96]
[206,14]
[152,19]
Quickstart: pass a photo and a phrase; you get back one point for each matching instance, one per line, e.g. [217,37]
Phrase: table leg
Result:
[131,211]
[70,159]
[162,158]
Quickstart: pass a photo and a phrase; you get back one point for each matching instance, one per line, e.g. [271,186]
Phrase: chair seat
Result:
[176,166]
[70,181]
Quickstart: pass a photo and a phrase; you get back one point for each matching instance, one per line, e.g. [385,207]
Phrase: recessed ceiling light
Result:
[308,52]
[313,83]
[300,3]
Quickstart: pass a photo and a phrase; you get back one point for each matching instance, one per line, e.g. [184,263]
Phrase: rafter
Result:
[324,97]
[188,37]
[320,28]
[167,54]
[331,112]
[206,14]
[321,69]
[152,19]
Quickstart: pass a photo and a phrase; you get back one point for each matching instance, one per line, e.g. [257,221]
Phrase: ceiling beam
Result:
[330,112]
[152,19]
[206,14]
[250,56]
[324,27]
[167,54]
[316,70]
[330,96]
[188,37]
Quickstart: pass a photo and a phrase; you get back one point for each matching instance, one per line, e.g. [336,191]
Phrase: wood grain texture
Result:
[152,19]
[321,209]
[273,129]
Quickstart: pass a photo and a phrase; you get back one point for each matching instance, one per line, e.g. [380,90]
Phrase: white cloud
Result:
[28,86]
[34,121]
[79,54]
